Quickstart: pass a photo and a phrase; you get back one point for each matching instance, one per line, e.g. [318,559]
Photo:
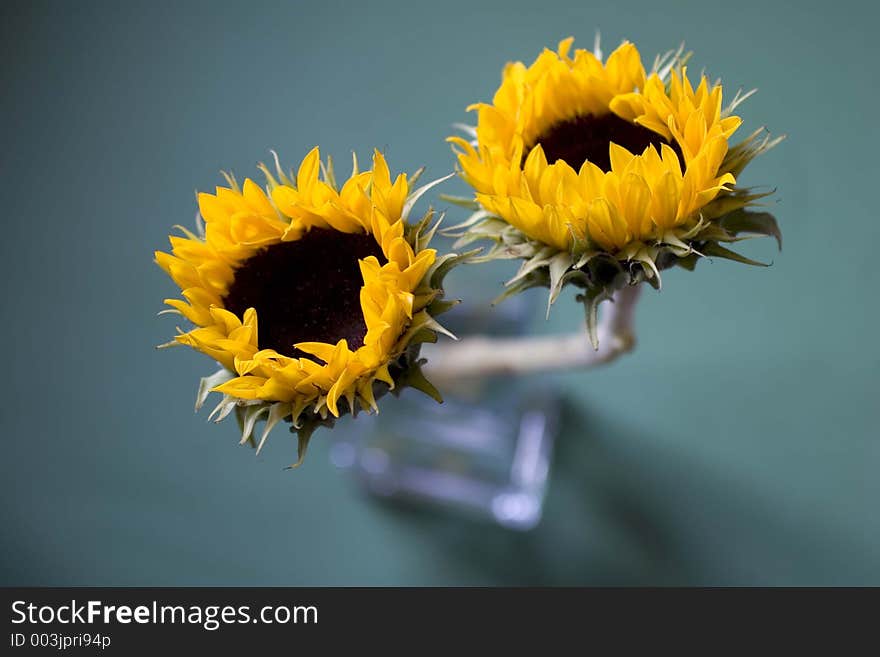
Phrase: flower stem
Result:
[482,356]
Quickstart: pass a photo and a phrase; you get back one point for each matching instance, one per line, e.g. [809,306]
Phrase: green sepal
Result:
[302,445]
[239,419]
[757,223]
[539,278]
[591,300]
[416,175]
[208,383]
[415,230]
[491,229]
[718,251]
[653,281]
[413,377]
[445,264]
[688,262]
[734,199]
[440,306]
[739,156]
[540,259]
[557,267]
[466,202]
[417,193]
[303,436]
[423,336]
[306,429]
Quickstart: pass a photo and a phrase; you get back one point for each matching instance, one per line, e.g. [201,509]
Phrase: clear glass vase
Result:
[486,451]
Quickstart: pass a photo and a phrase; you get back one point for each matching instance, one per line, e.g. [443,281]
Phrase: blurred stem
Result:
[483,356]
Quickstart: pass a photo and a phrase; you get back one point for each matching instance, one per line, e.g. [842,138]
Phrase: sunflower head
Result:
[601,174]
[314,298]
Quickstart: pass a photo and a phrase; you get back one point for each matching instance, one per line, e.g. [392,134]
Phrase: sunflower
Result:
[314,299]
[602,174]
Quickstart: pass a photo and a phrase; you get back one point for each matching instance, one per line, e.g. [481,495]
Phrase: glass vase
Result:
[485,451]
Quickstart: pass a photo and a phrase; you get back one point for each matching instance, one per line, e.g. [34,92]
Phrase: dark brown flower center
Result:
[587,138]
[305,291]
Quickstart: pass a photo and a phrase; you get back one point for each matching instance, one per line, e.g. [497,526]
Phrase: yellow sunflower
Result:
[310,296]
[577,160]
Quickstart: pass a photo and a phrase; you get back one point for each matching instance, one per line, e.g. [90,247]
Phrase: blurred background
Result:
[737,445]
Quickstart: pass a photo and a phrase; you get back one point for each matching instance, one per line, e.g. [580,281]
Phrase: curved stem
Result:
[482,356]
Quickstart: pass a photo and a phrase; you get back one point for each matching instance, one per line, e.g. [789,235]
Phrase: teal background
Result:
[737,445]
